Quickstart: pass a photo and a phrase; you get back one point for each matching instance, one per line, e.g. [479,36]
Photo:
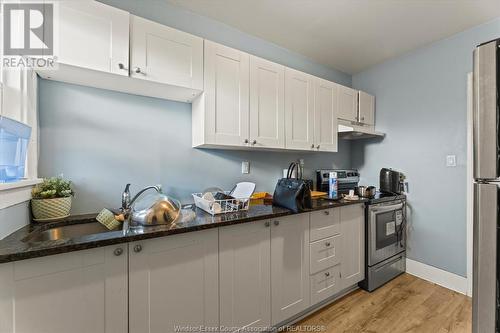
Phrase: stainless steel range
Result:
[385,218]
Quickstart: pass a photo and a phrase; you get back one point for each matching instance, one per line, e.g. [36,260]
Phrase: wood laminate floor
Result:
[406,304]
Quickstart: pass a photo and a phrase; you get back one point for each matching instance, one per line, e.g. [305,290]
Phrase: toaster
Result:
[391,181]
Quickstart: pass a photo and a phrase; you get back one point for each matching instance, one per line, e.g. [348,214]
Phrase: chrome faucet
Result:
[127,202]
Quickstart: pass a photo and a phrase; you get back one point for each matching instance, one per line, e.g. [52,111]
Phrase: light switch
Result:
[451,160]
[245,167]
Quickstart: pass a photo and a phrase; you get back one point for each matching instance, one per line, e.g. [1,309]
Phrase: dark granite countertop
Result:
[17,246]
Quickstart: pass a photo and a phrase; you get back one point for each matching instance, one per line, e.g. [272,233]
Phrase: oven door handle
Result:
[386,208]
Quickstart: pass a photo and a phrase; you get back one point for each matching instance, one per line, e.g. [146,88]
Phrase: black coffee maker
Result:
[391,181]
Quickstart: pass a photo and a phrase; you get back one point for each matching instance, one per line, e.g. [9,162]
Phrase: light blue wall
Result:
[102,139]
[421,105]
[179,18]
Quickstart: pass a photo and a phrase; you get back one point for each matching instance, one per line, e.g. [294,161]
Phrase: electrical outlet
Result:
[245,167]
[451,160]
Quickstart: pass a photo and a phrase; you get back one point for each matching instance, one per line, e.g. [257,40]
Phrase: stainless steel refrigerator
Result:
[485,299]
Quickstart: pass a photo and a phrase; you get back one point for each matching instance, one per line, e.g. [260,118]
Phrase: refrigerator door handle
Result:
[485,110]
[484,258]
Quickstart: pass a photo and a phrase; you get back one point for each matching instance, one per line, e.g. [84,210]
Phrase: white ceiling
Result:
[349,35]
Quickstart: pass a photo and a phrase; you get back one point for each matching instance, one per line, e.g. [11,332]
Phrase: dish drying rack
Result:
[221,206]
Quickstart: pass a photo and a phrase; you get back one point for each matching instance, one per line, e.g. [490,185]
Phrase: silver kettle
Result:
[152,209]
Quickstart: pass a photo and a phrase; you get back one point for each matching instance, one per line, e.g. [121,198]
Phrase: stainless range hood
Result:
[351,131]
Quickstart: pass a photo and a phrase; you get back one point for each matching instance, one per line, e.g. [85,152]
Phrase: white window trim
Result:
[17,192]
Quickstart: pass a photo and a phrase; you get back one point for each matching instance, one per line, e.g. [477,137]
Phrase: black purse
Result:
[293,193]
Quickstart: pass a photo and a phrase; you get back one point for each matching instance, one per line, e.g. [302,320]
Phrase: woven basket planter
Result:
[50,208]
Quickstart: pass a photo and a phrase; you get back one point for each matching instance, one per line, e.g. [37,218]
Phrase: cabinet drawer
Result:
[324,223]
[324,254]
[325,284]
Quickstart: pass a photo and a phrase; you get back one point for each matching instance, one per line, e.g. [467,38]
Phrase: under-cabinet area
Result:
[254,274]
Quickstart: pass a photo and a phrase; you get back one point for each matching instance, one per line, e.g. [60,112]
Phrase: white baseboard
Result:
[436,275]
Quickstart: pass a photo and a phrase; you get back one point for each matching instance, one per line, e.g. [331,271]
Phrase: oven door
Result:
[386,231]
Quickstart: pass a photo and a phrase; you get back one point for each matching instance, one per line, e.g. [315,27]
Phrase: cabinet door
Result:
[366,108]
[325,115]
[267,103]
[244,268]
[80,292]
[174,281]
[299,110]
[348,103]
[166,55]
[226,95]
[352,228]
[94,36]
[289,267]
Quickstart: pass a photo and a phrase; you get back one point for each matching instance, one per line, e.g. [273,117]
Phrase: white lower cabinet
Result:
[173,281]
[352,228]
[244,276]
[289,266]
[78,292]
[337,253]
[325,253]
[325,284]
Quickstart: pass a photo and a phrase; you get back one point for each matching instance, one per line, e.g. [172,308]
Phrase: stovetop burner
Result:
[384,197]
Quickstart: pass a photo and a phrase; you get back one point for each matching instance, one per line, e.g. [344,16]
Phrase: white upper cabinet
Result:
[267,104]
[290,292]
[245,280]
[93,36]
[348,103]
[173,281]
[299,110]
[325,115]
[220,115]
[80,292]
[162,54]
[366,108]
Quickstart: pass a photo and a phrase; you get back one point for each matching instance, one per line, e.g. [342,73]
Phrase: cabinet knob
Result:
[317,147]
[118,251]
[326,212]
[276,222]
[137,248]
[312,146]
[267,224]
[139,71]
[327,244]
[327,274]
[246,141]
[362,118]
[254,142]
[122,66]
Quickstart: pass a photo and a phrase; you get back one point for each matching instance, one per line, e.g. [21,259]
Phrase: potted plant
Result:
[51,199]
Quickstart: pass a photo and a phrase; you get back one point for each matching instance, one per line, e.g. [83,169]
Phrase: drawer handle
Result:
[326,212]
[327,244]
[327,274]
[137,248]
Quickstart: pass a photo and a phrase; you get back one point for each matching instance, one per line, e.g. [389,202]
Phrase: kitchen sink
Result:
[68,232]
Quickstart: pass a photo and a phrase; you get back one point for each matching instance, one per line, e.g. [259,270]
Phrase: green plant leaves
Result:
[50,188]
